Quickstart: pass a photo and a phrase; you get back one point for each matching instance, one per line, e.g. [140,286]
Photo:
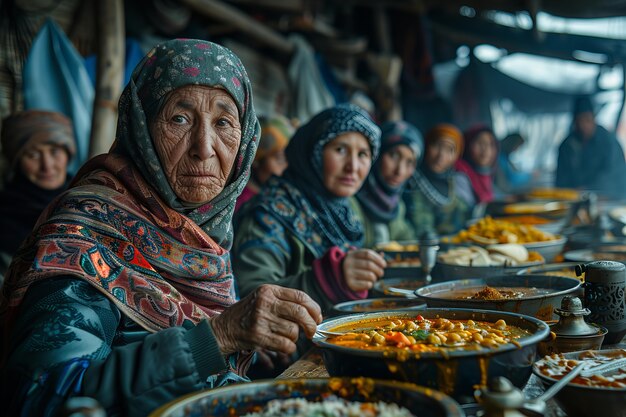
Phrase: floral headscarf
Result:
[299,199]
[175,64]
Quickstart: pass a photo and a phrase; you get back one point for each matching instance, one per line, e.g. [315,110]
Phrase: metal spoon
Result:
[538,405]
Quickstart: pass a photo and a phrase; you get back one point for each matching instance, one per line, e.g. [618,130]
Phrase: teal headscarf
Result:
[171,65]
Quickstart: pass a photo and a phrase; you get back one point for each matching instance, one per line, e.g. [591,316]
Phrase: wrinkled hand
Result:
[269,318]
[362,268]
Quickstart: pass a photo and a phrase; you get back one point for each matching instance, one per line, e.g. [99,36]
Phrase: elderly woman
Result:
[300,232]
[479,161]
[270,156]
[134,258]
[437,197]
[380,207]
[38,146]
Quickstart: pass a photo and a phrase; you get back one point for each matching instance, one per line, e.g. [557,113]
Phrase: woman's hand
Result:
[362,268]
[269,318]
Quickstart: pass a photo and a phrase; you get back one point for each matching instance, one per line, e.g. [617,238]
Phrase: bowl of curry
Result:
[451,350]
[533,295]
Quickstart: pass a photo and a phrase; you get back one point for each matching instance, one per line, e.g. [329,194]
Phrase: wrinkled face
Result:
[273,164]
[346,160]
[197,135]
[441,155]
[585,124]
[483,150]
[397,165]
[45,165]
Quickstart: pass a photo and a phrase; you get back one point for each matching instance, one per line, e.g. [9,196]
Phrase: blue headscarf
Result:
[379,199]
[299,200]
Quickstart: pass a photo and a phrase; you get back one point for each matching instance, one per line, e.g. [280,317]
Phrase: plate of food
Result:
[489,231]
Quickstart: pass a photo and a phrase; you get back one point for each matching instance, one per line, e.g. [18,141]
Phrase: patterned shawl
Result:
[299,200]
[380,200]
[122,229]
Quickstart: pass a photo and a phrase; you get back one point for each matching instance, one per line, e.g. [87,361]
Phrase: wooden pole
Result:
[221,11]
[109,74]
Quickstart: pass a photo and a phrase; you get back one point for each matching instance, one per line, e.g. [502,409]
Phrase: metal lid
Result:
[572,322]
[611,266]
[501,395]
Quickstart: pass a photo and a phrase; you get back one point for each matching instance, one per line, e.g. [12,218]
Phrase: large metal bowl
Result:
[378,304]
[582,401]
[448,272]
[598,253]
[539,306]
[455,372]
[548,249]
[240,399]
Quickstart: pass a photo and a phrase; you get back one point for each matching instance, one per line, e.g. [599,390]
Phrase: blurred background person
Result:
[270,156]
[380,207]
[509,178]
[479,161]
[590,157]
[437,197]
[38,146]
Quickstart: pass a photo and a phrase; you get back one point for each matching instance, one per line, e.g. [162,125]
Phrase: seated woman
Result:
[435,197]
[479,161]
[270,156]
[38,146]
[134,258]
[380,207]
[300,231]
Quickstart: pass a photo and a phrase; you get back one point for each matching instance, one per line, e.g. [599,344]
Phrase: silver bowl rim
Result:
[414,301]
[478,283]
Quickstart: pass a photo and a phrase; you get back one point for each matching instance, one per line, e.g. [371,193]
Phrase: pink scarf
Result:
[482,184]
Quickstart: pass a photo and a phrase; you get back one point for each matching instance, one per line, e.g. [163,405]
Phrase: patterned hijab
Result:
[176,64]
[299,199]
[380,200]
[123,230]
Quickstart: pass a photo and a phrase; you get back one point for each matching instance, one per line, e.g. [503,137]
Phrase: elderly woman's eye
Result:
[179,119]
[224,122]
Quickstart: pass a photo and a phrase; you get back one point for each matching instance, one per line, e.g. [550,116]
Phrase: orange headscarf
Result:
[446,130]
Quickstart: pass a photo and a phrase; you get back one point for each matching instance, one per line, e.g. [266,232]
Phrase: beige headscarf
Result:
[31,127]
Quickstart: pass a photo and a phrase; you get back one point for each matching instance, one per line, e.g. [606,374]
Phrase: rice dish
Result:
[330,407]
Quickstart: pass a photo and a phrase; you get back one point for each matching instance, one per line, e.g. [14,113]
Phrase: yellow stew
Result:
[425,335]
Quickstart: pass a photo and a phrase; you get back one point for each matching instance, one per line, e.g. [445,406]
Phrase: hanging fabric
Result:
[55,79]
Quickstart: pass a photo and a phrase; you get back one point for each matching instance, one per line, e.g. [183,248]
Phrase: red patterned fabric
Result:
[112,230]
